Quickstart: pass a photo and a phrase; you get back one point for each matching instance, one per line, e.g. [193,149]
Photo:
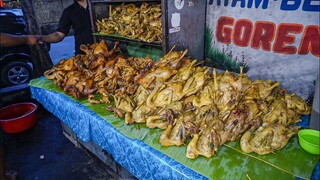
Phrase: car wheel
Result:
[16,73]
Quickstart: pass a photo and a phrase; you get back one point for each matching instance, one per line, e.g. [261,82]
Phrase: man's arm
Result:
[53,37]
[8,40]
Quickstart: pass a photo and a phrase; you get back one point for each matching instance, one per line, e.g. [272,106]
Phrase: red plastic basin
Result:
[18,117]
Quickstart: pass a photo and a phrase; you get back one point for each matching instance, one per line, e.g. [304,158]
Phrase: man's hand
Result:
[32,39]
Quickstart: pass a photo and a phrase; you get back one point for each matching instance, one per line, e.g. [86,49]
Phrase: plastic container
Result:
[18,117]
[309,140]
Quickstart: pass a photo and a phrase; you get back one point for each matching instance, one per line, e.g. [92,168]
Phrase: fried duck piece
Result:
[81,61]
[95,49]
[185,72]
[188,102]
[172,90]
[140,113]
[207,142]
[97,61]
[140,63]
[50,74]
[172,59]
[165,116]
[141,95]
[161,71]
[106,97]
[79,87]
[207,139]
[119,74]
[260,90]
[177,132]
[196,81]
[124,106]
[279,113]
[153,78]
[242,117]
[267,138]
[204,117]
[242,82]
[297,104]
[226,96]
[101,48]
[66,65]
[165,95]
[61,68]
[206,96]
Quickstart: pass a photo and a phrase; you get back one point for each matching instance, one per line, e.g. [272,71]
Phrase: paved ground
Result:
[43,152]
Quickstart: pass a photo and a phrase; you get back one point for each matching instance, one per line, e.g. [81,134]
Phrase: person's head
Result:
[14,4]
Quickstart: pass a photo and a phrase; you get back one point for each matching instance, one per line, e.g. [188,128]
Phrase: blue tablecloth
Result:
[144,162]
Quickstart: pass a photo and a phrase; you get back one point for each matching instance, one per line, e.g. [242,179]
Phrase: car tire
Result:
[15,73]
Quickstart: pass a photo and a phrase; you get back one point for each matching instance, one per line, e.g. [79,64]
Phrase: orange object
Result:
[18,117]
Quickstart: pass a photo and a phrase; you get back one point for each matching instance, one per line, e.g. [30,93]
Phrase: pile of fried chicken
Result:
[141,22]
[191,103]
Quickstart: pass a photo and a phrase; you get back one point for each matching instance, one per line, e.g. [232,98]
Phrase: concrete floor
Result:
[43,152]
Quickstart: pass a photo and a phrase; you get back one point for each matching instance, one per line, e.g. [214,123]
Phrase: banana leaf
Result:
[126,38]
[138,50]
[229,163]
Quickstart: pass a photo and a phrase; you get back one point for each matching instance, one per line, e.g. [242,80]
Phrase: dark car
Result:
[16,68]
[15,62]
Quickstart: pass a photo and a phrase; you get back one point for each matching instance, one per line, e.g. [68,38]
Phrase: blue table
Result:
[143,162]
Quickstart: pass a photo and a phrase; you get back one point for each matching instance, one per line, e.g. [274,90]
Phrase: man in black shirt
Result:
[76,16]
